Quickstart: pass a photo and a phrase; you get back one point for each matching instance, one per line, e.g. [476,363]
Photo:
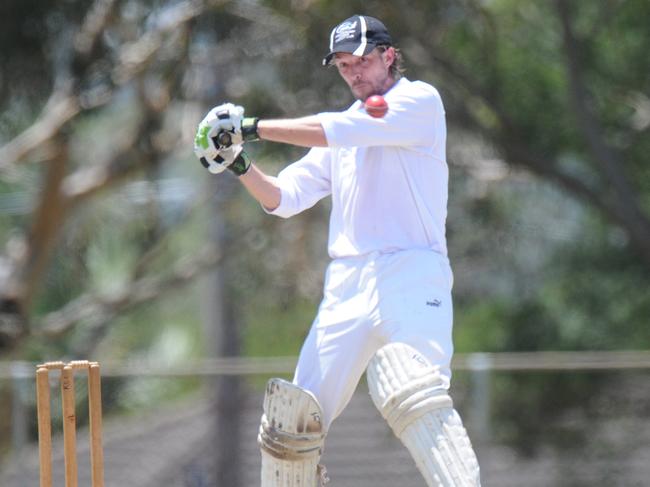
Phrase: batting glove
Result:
[216,160]
[217,145]
[230,118]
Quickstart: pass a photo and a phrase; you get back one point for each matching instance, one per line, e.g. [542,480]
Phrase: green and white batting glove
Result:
[218,144]
[232,157]
[228,118]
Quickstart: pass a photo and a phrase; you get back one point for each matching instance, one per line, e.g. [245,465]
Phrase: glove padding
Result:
[232,157]
[217,144]
[227,118]
[223,118]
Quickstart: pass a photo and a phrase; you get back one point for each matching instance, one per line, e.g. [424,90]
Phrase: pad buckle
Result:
[321,472]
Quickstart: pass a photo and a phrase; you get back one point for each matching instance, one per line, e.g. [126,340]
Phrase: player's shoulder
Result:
[414,89]
[425,88]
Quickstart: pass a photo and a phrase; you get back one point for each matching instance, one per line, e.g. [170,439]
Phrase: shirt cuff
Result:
[283,210]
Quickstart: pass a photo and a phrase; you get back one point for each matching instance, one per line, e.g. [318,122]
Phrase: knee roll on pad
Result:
[404,385]
[291,436]
[409,392]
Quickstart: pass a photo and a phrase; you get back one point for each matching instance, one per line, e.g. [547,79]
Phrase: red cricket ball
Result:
[376,106]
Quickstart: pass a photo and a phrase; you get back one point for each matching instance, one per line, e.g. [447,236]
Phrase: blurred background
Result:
[117,246]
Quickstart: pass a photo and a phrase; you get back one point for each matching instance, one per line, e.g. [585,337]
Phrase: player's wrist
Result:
[249,129]
[241,164]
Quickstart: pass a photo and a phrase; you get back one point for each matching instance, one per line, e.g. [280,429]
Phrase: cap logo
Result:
[345,31]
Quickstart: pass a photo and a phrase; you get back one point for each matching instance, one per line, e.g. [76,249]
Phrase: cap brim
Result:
[350,49]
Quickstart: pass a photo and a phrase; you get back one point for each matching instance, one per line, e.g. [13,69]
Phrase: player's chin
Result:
[362,92]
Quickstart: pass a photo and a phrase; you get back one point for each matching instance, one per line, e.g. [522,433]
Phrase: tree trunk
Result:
[223,341]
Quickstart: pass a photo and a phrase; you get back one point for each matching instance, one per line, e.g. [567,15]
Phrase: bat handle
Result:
[224,139]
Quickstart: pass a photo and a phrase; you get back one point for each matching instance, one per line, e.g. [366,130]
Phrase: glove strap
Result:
[241,164]
[249,129]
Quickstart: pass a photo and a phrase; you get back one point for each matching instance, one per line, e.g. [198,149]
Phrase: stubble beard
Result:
[364,90]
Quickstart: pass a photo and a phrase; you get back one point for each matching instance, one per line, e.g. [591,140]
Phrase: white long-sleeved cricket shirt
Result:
[387,176]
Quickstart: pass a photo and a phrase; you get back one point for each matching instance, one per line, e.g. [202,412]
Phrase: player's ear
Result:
[388,55]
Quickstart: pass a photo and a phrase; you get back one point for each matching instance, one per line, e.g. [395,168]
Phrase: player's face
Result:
[366,75]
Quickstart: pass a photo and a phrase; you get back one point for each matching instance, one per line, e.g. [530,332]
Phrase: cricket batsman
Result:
[387,305]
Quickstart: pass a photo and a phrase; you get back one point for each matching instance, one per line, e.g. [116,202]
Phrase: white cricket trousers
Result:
[370,301]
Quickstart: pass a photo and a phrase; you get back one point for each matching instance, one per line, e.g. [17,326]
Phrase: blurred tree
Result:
[128,83]
[133,78]
[94,62]
[561,89]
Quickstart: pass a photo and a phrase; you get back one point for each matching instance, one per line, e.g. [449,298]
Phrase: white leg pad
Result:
[409,393]
[291,436]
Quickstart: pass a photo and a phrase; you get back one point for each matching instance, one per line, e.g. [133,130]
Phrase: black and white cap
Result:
[358,35]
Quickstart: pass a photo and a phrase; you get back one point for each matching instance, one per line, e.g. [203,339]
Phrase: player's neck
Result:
[390,82]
